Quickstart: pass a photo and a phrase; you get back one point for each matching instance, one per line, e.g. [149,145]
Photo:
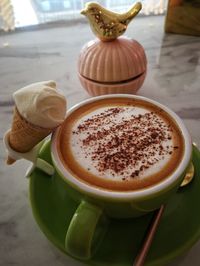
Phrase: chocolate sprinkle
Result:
[137,142]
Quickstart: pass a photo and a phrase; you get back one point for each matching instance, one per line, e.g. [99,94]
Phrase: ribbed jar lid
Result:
[114,61]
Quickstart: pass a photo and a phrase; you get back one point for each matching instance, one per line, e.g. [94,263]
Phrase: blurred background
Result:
[32,12]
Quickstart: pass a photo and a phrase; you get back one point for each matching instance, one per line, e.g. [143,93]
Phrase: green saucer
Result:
[178,231]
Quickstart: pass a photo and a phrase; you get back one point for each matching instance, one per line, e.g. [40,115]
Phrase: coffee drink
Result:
[120,144]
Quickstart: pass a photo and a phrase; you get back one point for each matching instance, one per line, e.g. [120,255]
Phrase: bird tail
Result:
[133,11]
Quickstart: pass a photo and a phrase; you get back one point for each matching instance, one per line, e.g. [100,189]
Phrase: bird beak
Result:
[83,12]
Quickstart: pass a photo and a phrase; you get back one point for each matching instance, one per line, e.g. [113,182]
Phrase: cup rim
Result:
[135,194]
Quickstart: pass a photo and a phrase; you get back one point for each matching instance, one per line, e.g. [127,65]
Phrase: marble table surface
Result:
[173,78]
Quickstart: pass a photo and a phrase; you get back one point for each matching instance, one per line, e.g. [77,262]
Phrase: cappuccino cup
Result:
[118,156]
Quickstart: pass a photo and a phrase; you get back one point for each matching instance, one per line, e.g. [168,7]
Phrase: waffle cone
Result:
[24,135]
[10,160]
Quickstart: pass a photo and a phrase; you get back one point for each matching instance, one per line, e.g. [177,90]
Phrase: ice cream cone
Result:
[10,160]
[24,135]
[39,109]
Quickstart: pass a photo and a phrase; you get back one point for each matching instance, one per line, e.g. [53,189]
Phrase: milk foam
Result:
[106,120]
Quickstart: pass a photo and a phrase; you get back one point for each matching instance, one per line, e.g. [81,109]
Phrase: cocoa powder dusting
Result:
[136,141]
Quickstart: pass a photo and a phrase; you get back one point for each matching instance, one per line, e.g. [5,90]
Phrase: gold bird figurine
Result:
[108,25]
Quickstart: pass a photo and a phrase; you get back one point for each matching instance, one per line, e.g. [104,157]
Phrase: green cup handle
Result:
[86,230]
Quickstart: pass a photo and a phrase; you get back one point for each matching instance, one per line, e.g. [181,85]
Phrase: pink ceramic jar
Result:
[112,67]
